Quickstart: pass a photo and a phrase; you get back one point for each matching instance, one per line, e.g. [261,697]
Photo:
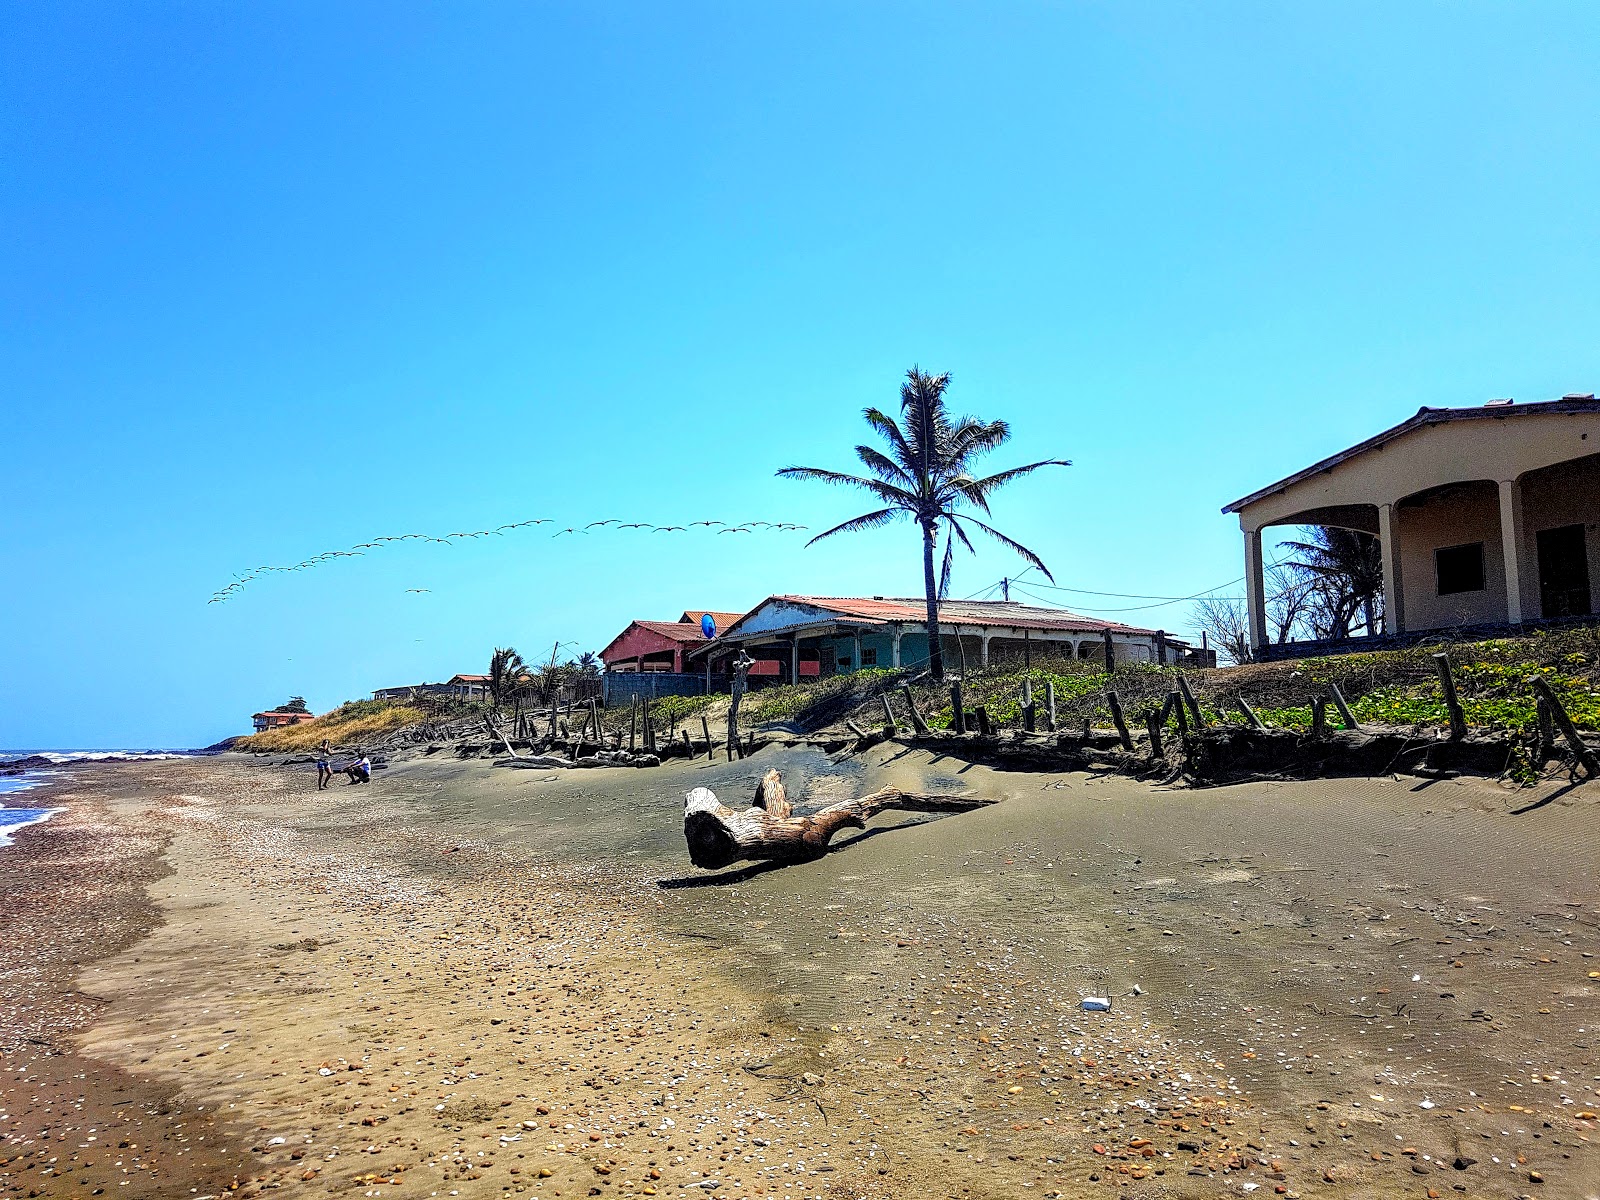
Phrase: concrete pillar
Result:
[677,660]
[1511,538]
[857,659]
[794,659]
[894,648]
[1394,604]
[983,650]
[1255,589]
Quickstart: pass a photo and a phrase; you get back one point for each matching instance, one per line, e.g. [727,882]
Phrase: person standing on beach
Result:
[324,770]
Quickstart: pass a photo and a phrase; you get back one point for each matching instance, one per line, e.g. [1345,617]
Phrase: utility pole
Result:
[1005,589]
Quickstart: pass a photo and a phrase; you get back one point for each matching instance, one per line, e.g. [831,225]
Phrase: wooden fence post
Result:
[633,725]
[705,728]
[1194,705]
[1319,717]
[1345,714]
[1153,725]
[1547,729]
[917,722]
[1050,704]
[958,715]
[1115,706]
[1176,701]
[1249,713]
[1586,756]
[1029,722]
[1447,681]
[888,713]
[985,726]
[1111,652]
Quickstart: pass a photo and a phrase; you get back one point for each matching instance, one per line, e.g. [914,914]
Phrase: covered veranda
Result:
[1485,518]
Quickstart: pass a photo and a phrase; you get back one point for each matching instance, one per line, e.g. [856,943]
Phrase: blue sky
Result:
[278,278]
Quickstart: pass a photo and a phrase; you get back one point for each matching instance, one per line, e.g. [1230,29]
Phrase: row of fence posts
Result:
[1182,706]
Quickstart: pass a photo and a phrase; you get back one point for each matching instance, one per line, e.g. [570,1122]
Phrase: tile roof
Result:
[723,619]
[1006,613]
[678,631]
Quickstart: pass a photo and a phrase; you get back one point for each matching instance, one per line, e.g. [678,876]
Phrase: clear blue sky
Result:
[278,278]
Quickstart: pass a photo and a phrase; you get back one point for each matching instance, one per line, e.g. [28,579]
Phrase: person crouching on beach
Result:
[360,771]
[324,771]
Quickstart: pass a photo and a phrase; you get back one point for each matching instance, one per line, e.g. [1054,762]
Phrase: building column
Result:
[1255,589]
[983,650]
[1394,605]
[894,649]
[856,665]
[638,662]
[794,659]
[1511,538]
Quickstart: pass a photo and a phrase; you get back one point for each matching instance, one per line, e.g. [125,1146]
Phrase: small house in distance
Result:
[278,718]
[659,646]
[1486,519]
[794,638]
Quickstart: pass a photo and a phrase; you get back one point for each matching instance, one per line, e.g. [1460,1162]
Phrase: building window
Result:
[869,656]
[844,661]
[1459,568]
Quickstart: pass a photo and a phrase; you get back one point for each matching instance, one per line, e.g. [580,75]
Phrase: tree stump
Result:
[718,836]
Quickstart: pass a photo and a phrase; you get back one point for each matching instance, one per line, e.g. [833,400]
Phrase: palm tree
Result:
[925,475]
[507,675]
[1347,567]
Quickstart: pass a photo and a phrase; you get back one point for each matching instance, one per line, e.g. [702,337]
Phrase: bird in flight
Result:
[637,525]
[569,529]
[707,524]
[607,521]
[419,590]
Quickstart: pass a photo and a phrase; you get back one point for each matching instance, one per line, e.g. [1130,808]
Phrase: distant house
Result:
[411,691]
[807,637]
[1486,518]
[468,687]
[659,646]
[277,719]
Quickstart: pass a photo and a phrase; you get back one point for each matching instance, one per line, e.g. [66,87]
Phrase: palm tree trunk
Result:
[930,586]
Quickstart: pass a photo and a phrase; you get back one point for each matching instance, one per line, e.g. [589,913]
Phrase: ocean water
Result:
[14,816]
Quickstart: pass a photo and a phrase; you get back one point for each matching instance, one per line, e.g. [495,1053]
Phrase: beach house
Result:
[794,638]
[1486,518]
[278,719]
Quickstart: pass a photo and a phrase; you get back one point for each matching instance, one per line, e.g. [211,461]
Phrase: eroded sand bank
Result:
[464,980]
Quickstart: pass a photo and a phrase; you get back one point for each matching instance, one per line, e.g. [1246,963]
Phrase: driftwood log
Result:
[769,829]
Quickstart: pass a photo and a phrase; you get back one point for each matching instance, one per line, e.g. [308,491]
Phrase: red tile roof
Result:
[963,612]
[678,631]
[723,619]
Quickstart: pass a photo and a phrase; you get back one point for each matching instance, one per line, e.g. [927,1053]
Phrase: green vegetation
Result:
[1394,687]
[676,708]
[352,723]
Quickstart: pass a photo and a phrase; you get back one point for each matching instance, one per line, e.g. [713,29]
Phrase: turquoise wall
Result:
[845,647]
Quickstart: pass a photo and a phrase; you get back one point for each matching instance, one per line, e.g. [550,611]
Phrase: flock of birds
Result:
[359,550]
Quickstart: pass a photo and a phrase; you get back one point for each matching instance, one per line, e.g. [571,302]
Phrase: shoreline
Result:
[396,978]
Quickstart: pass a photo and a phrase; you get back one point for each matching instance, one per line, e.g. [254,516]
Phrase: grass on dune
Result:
[350,724]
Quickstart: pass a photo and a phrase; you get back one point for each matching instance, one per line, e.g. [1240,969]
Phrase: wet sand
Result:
[479,982]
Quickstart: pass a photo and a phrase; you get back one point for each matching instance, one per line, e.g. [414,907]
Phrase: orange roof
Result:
[468,679]
[1008,613]
[723,619]
[678,631]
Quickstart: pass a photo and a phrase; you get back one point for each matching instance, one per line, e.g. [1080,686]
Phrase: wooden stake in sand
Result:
[1117,719]
[1345,714]
[718,836]
[1447,681]
[917,722]
[1586,756]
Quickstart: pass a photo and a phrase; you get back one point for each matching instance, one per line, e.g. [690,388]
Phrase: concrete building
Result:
[1486,517]
[659,646]
[806,637]
[277,719]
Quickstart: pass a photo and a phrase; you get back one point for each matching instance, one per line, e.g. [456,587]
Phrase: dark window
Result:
[1460,568]
[869,656]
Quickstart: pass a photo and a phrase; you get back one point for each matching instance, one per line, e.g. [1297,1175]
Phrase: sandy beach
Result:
[465,981]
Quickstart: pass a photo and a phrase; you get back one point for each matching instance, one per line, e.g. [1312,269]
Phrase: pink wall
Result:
[637,641]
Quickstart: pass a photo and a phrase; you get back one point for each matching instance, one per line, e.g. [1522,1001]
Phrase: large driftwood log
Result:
[719,836]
